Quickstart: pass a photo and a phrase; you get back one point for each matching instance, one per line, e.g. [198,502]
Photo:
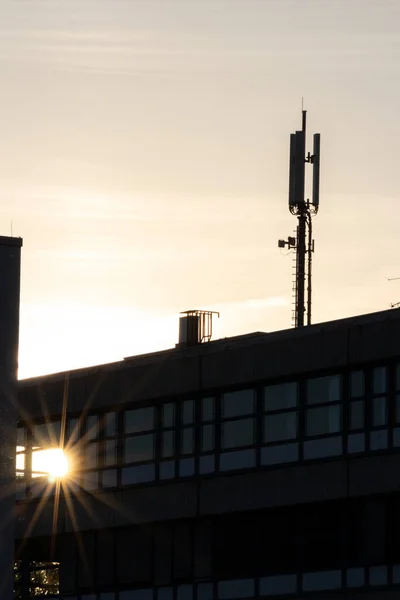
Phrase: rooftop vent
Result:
[195,327]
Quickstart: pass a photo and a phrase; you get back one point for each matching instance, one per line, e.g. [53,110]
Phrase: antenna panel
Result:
[299,168]
[316,163]
[292,168]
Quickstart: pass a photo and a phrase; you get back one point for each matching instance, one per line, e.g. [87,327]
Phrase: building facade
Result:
[266,465]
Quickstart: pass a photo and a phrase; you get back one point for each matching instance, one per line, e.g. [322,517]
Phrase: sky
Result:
[144,162]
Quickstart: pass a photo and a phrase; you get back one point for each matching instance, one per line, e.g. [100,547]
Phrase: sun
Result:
[52,462]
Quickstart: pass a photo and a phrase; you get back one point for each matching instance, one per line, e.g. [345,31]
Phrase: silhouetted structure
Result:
[10,260]
[264,465]
[304,210]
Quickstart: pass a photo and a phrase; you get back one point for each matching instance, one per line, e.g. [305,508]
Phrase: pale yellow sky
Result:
[144,160]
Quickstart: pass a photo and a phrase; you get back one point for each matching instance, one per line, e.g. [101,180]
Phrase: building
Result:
[265,465]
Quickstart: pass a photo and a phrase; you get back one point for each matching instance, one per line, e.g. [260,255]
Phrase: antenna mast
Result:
[304,210]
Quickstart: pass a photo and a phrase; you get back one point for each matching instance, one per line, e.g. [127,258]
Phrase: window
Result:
[237,404]
[323,411]
[168,440]
[168,419]
[207,409]
[188,412]
[379,402]
[323,420]
[92,427]
[139,419]
[139,448]
[238,433]
[110,453]
[278,427]
[379,411]
[207,438]
[110,424]
[43,578]
[356,401]
[322,390]
[356,420]
[91,455]
[187,429]
[379,380]
[47,434]
[280,397]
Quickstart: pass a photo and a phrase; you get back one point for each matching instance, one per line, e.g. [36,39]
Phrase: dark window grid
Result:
[199,410]
[251,413]
[301,423]
[238,448]
[103,471]
[123,419]
[392,403]
[104,447]
[103,434]
[348,389]
[200,446]
[187,438]
[354,418]
[120,445]
[323,435]
[217,432]
[379,412]
[197,432]
[259,401]
[282,441]
[165,434]
[136,435]
[322,402]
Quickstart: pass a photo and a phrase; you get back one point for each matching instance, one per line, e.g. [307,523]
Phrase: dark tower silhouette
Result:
[10,258]
[304,209]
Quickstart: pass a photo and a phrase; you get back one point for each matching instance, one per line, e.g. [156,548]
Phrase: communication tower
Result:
[304,210]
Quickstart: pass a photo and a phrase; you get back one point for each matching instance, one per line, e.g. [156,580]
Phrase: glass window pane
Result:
[73,431]
[323,389]
[188,412]
[207,409]
[187,440]
[398,408]
[90,480]
[167,443]
[92,427]
[110,454]
[139,448]
[278,397]
[379,380]
[236,434]
[21,436]
[168,415]
[357,415]
[109,478]
[207,438]
[324,420]
[91,454]
[279,427]
[110,425]
[236,404]
[47,434]
[139,474]
[139,419]
[356,384]
[379,411]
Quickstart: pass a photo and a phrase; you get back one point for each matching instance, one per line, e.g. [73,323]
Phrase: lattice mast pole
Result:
[301,207]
